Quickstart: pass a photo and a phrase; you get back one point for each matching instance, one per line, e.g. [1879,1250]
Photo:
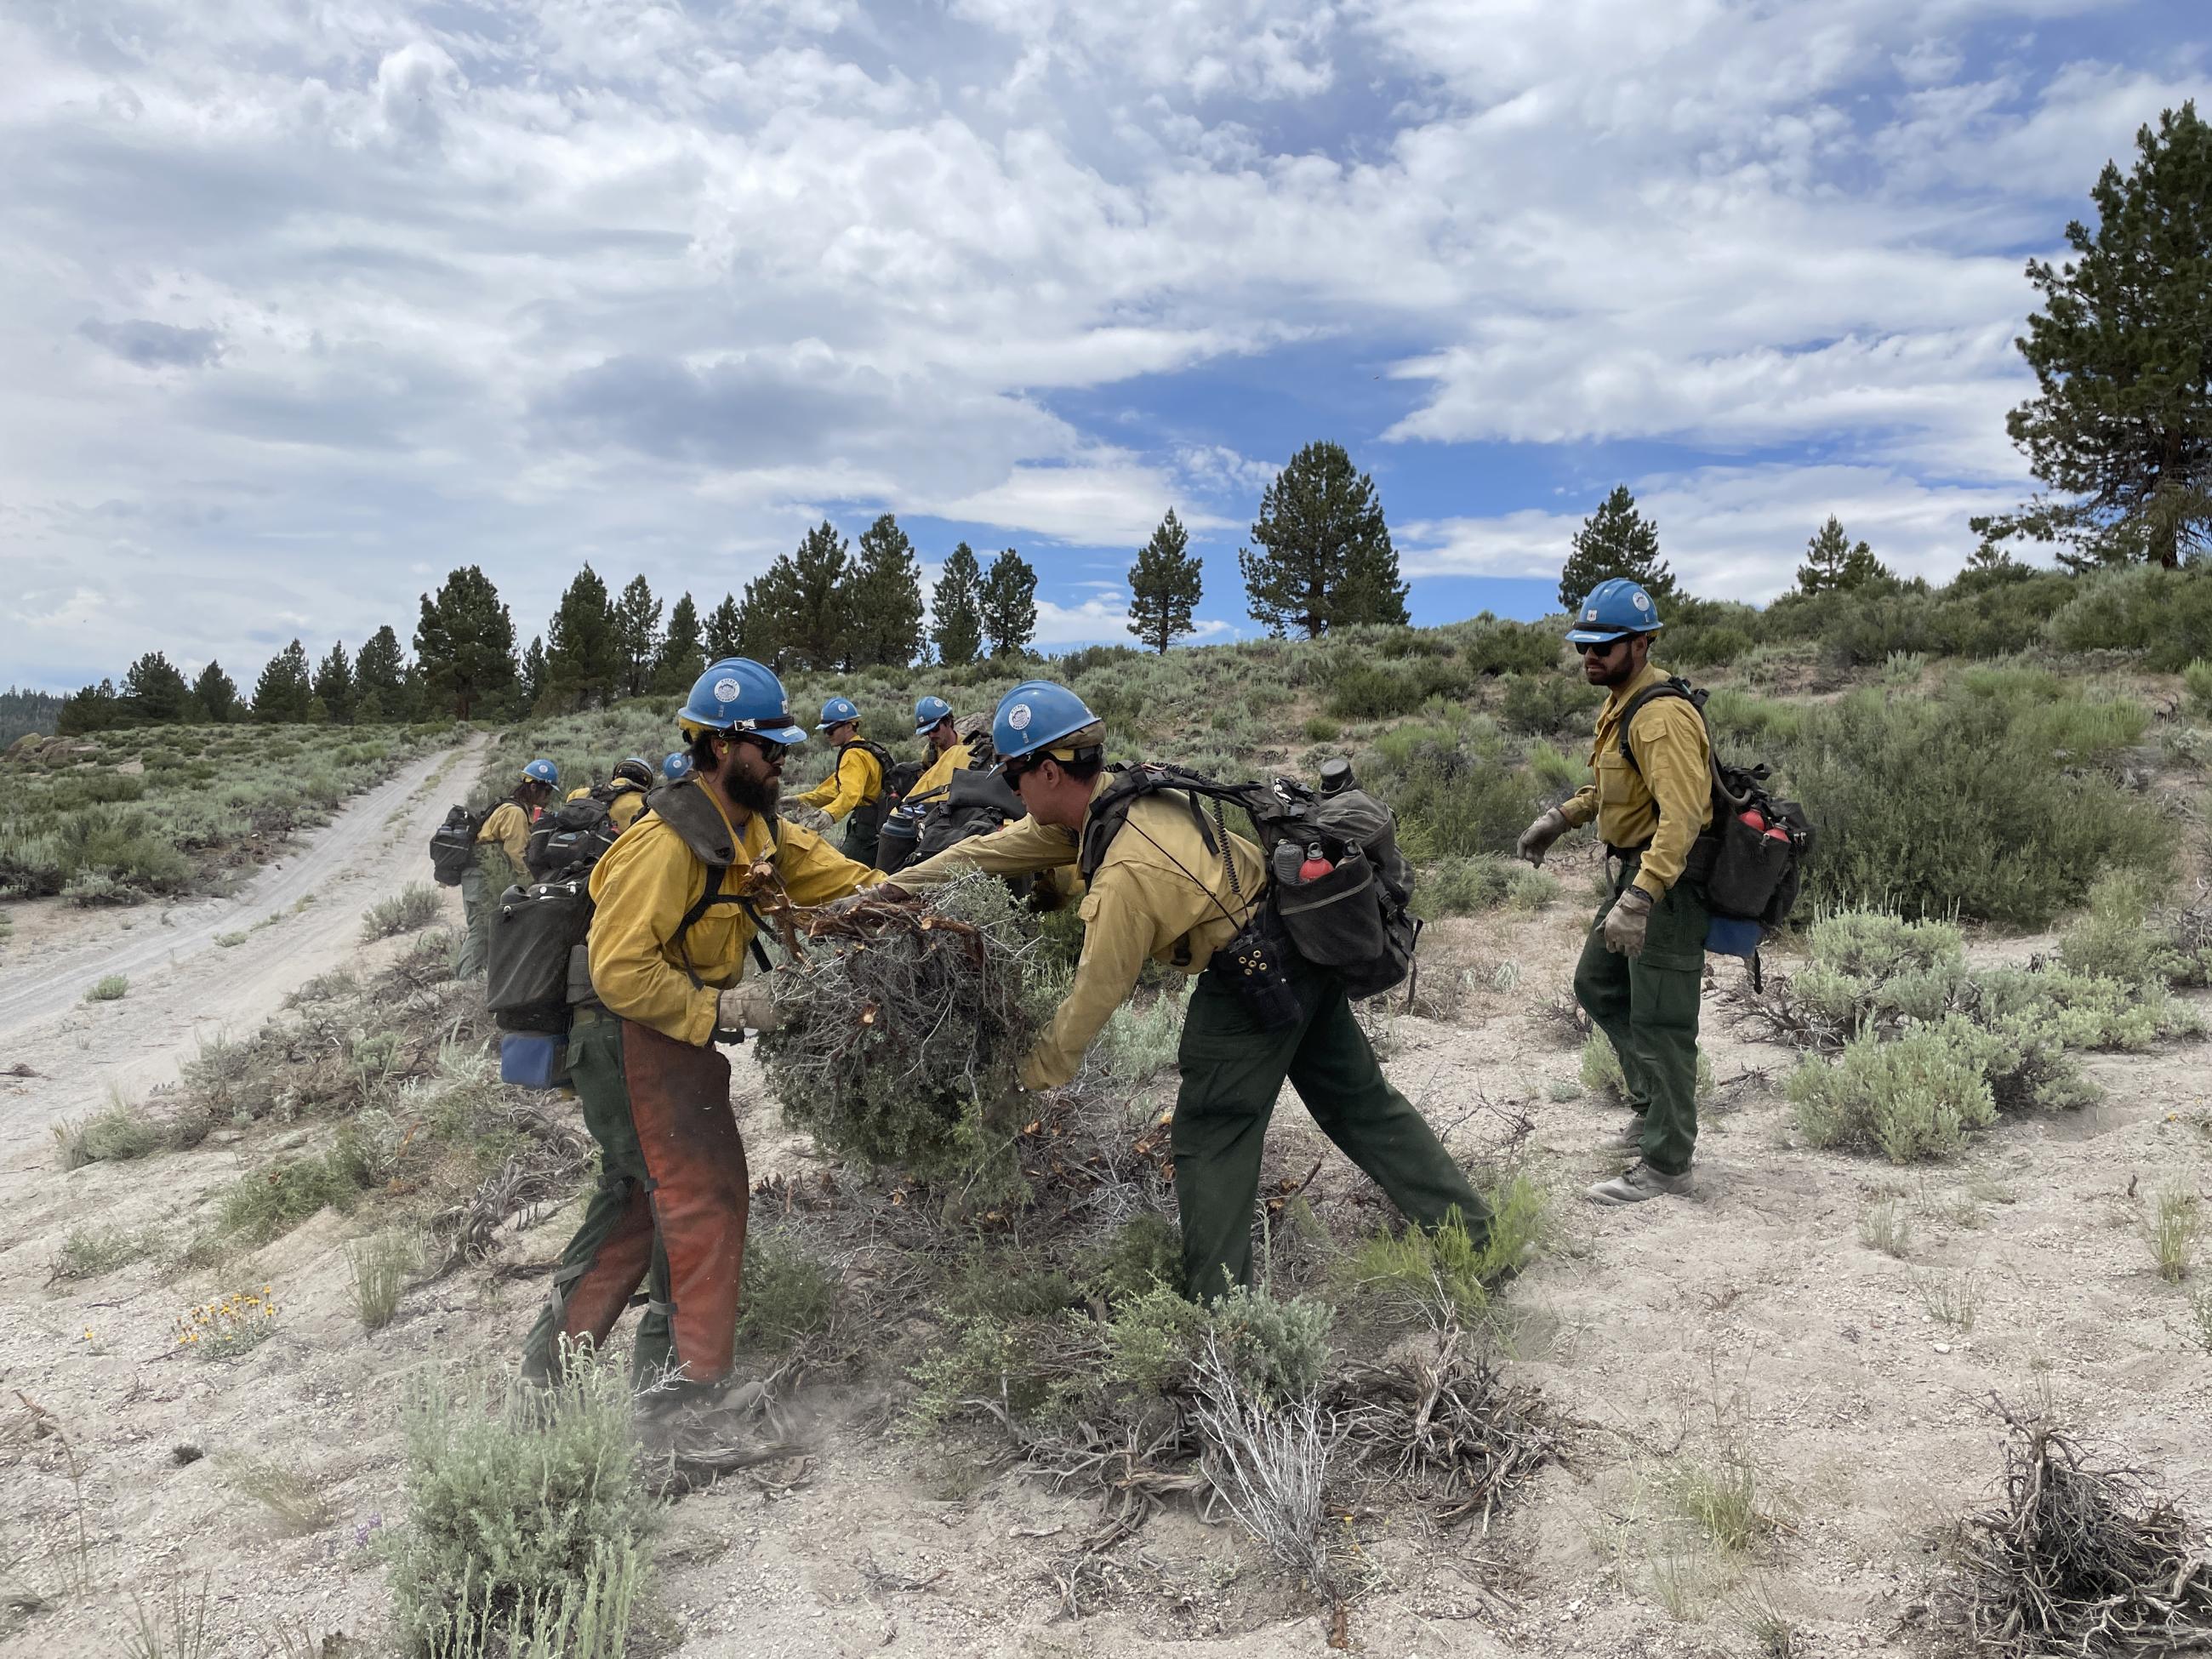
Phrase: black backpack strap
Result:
[714,895]
[1675,687]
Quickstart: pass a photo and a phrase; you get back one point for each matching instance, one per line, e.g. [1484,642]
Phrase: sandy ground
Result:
[1755,1300]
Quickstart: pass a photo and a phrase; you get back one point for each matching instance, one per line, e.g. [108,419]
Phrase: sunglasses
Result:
[771,752]
[1583,648]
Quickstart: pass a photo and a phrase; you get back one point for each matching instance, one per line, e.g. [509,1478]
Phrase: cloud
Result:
[155,345]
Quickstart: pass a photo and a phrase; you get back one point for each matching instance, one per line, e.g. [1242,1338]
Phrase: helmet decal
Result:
[1642,601]
[1019,717]
[727,691]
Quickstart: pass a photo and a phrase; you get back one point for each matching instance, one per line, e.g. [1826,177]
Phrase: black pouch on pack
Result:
[454,848]
[533,931]
[1256,962]
[1746,868]
[1335,920]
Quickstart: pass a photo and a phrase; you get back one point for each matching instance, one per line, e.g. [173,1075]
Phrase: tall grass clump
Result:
[114,1135]
[526,1518]
[1989,801]
[380,1266]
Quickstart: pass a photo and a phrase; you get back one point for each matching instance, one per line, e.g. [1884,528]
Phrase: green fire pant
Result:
[617,1246]
[1231,1072]
[1649,1009]
[860,839]
[476,901]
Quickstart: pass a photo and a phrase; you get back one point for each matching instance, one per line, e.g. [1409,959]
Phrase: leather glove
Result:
[748,1004]
[1626,922]
[1537,839]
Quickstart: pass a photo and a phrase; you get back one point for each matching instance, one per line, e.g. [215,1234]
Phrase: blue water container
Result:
[531,1059]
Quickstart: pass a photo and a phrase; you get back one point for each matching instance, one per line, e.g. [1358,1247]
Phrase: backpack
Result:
[1749,873]
[568,840]
[534,932]
[454,846]
[973,803]
[976,733]
[899,829]
[1354,921]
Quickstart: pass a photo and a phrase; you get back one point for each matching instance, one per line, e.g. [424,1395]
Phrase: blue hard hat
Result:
[928,711]
[677,766]
[739,695]
[541,771]
[1036,714]
[1614,607]
[836,712]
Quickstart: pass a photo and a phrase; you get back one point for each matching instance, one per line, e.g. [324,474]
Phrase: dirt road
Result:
[301,916]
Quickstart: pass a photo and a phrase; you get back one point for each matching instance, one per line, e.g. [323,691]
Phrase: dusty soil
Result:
[1755,1300]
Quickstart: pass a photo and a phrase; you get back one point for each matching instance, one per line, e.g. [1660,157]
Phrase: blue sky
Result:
[301,304]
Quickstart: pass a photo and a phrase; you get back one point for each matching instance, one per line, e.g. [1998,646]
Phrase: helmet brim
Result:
[1606,636]
[791,735]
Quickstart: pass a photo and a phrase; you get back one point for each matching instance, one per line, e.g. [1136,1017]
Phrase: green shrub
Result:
[787,1294]
[1418,1274]
[1144,1255]
[2114,937]
[1366,691]
[1941,806]
[1511,648]
[1554,770]
[380,1266]
[1916,1097]
[414,906]
[1141,1038]
[1705,648]
[2197,679]
[259,1206]
[1319,728]
[1541,704]
[89,1252]
[523,1504]
[1457,793]
[1468,886]
[111,988]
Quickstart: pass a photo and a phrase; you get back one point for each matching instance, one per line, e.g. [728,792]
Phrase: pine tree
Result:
[1009,601]
[2122,352]
[334,687]
[154,692]
[217,694]
[886,599]
[583,662]
[1616,540]
[1164,586]
[767,617]
[532,680]
[956,607]
[286,688]
[1326,561]
[683,653]
[1833,563]
[637,636]
[465,647]
[380,679]
[95,708]
[821,620]
[724,624]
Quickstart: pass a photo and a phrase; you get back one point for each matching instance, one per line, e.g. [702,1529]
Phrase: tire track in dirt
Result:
[182,981]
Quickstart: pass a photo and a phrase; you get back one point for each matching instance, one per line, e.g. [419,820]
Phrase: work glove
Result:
[748,1004]
[1537,839]
[1626,922]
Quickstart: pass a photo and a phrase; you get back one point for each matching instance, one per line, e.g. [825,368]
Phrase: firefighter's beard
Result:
[755,794]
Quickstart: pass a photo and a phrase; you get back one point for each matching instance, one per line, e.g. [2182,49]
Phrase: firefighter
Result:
[852,793]
[502,843]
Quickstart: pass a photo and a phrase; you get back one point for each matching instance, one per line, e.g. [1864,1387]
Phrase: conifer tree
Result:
[380,679]
[637,636]
[584,659]
[1009,603]
[683,652]
[955,606]
[465,647]
[333,685]
[886,598]
[1325,559]
[532,680]
[94,709]
[2121,423]
[819,600]
[286,688]
[1616,540]
[154,692]
[1833,563]
[1164,586]
[724,625]
[217,694]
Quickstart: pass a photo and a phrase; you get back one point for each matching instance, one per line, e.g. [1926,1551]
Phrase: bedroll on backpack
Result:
[1750,858]
[453,847]
[570,839]
[534,930]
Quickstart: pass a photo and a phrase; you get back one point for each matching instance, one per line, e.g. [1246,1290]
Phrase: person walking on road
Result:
[1642,969]
[502,842]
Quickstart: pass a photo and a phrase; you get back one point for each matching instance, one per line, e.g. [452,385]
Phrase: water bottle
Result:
[1286,862]
[1316,865]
